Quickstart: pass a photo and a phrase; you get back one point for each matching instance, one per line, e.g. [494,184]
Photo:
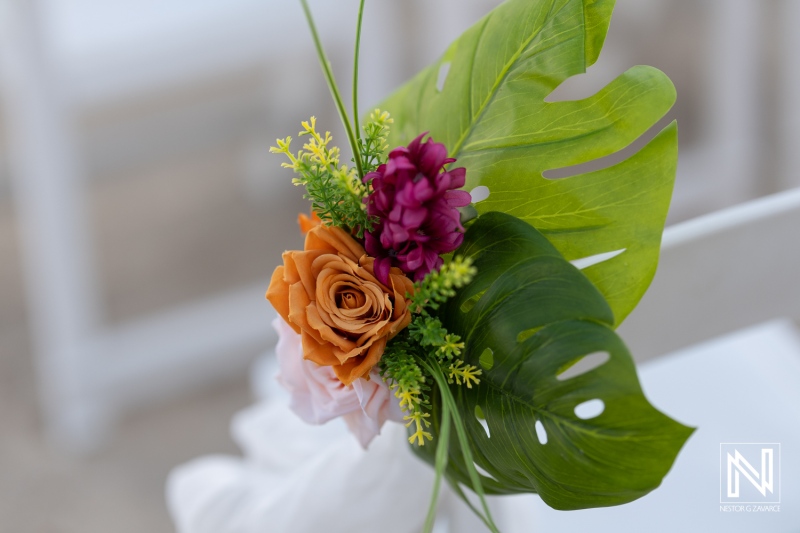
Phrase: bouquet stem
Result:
[449,409]
[337,98]
[439,467]
[355,78]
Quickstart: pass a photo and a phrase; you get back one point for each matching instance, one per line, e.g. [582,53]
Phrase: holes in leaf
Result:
[486,360]
[444,70]
[541,434]
[479,193]
[590,409]
[483,472]
[583,365]
[482,420]
[592,260]
[467,213]
[522,336]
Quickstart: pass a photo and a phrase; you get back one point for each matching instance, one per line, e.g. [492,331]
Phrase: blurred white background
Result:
[141,214]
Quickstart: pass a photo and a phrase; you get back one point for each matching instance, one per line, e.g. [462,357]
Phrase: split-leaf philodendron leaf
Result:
[490,112]
[528,316]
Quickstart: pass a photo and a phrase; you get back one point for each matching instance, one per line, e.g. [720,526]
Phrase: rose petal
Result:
[378,404]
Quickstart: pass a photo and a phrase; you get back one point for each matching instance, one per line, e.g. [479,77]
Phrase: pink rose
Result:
[378,404]
[318,396]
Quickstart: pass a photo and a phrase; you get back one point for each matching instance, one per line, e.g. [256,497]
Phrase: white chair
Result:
[57,59]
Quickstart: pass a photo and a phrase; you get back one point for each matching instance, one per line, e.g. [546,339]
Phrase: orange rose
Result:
[329,294]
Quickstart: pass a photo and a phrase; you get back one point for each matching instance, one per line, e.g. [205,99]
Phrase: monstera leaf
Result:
[485,100]
[526,319]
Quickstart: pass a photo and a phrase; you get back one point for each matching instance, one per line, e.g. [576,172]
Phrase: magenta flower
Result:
[415,202]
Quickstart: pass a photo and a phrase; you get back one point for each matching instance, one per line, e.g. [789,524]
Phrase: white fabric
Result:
[302,479]
[299,478]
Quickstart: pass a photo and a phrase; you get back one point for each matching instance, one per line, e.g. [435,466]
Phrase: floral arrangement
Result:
[473,322]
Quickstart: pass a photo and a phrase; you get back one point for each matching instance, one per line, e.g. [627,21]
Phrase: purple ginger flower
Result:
[415,202]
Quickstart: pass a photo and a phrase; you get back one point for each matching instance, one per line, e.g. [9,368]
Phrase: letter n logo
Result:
[750,472]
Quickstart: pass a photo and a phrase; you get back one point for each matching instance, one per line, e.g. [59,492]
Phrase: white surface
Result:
[742,388]
[301,479]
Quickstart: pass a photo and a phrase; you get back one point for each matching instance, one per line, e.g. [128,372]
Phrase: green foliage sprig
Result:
[427,353]
[400,370]
[446,348]
[373,145]
[439,286]
[336,193]
[427,339]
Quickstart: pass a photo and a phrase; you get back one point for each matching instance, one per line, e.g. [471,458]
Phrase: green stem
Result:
[337,99]
[457,488]
[439,468]
[458,422]
[470,463]
[355,72]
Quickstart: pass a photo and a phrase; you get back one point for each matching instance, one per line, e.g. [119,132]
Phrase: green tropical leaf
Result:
[527,317]
[489,109]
